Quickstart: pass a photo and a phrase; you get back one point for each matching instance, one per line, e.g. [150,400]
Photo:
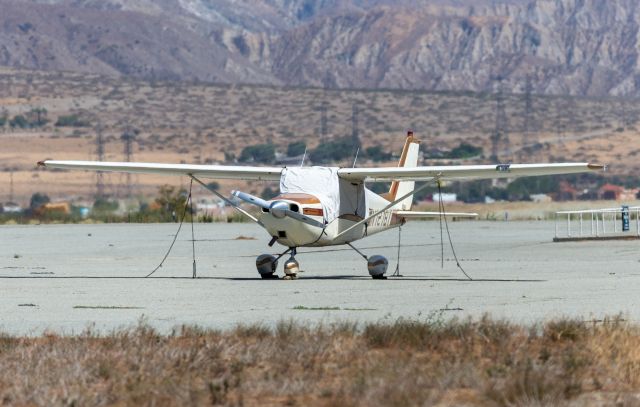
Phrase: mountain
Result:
[576,47]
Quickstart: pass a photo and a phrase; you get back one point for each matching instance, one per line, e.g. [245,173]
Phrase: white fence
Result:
[597,222]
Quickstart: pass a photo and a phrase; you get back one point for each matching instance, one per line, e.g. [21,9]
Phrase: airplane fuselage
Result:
[292,233]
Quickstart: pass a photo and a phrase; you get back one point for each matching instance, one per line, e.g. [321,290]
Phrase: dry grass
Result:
[407,362]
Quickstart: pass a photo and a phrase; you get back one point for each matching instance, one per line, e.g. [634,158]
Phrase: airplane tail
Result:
[409,158]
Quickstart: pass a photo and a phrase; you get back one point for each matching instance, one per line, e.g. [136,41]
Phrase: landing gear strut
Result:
[267,265]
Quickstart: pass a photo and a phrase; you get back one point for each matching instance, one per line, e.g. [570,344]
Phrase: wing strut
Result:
[227,201]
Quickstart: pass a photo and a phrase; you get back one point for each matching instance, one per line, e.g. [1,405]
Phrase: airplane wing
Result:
[200,171]
[459,172]
[419,215]
[446,172]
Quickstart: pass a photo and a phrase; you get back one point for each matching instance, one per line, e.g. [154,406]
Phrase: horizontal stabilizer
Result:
[418,215]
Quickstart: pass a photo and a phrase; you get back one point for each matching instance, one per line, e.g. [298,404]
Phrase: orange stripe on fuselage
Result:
[299,198]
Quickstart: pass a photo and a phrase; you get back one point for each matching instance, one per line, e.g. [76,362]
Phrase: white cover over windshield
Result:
[337,196]
[321,182]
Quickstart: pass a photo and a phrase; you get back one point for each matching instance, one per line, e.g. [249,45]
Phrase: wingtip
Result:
[597,167]
[41,163]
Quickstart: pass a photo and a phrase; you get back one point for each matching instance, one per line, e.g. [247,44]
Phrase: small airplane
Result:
[328,206]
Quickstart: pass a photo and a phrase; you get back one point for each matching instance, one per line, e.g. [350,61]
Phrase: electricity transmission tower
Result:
[128,138]
[500,137]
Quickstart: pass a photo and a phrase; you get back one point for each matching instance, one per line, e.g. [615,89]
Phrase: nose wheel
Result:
[291,266]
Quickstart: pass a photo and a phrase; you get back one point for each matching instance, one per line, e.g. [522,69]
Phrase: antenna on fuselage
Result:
[304,155]
[356,157]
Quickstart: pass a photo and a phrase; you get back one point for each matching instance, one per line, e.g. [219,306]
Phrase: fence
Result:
[599,222]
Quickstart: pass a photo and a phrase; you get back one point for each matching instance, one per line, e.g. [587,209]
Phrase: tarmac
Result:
[67,278]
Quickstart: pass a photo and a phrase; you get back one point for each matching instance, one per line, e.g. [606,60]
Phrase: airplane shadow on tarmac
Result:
[343,277]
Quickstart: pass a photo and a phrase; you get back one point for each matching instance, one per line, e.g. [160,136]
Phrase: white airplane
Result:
[327,206]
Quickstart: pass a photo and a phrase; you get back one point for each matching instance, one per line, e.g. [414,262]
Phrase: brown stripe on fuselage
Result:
[351,217]
[313,211]
[299,198]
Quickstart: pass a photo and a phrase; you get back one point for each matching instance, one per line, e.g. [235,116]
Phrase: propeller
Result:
[279,209]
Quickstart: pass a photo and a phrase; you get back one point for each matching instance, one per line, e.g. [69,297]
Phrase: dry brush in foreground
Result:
[406,362]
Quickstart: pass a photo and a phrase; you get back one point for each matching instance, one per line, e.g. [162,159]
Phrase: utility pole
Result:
[355,134]
[324,108]
[128,137]
[100,154]
[528,106]
[11,185]
[500,137]
[324,127]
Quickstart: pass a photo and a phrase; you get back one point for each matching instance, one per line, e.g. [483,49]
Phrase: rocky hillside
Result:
[578,47]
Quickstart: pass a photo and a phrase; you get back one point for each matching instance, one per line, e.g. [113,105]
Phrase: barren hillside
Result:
[554,47]
[200,123]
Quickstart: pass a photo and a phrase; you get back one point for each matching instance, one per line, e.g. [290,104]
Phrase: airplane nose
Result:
[279,209]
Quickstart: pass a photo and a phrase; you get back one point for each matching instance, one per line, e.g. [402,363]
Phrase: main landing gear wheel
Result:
[377,266]
[267,265]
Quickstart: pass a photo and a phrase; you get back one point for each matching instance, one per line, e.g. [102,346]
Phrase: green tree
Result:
[71,121]
[19,121]
[377,154]
[334,150]
[37,200]
[103,205]
[37,117]
[268,193]
[260,153]
[465,150]
[296,148]
[171,202]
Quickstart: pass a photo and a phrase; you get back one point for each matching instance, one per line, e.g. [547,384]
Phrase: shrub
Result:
[71,121]
[296,148]
[334,150]
[260,153]
[377,154]
[19,121]
[465,150]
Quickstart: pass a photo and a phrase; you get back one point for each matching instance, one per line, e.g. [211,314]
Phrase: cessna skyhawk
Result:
[327,206]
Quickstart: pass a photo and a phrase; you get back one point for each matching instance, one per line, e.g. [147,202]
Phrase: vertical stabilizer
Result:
[408,158]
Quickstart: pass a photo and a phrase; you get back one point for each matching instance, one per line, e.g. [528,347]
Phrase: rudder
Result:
[408,159]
